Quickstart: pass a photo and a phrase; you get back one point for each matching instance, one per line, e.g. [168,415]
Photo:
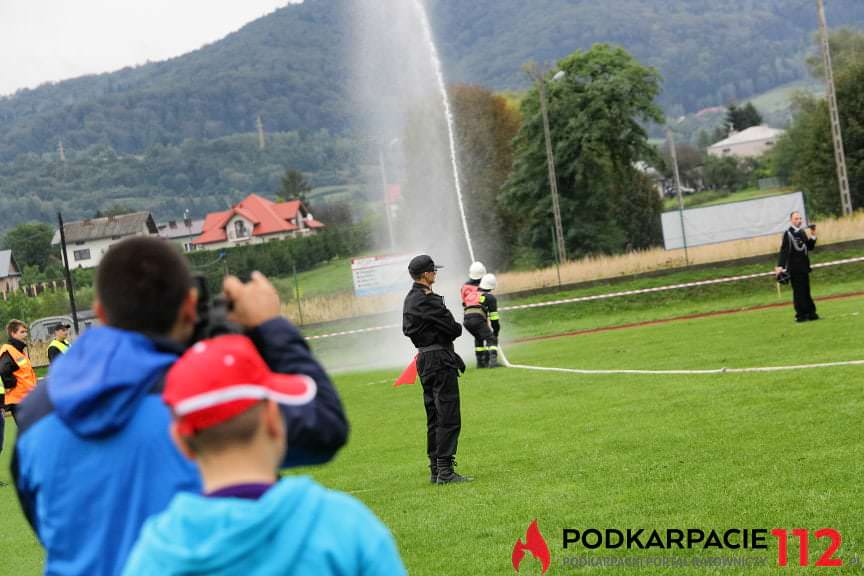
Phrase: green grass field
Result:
[332,277]
[715,197]
[755,450]
[764,450]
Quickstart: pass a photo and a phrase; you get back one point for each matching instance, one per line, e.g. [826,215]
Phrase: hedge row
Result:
[280,257]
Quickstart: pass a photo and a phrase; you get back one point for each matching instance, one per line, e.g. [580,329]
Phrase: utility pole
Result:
[260,127]
[537,75]
[671,138]
[70,288]
[839,152]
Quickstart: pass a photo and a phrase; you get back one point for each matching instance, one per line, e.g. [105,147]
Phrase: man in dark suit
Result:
[794,258]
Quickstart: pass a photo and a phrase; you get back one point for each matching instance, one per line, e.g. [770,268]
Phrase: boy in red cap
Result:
[225,402]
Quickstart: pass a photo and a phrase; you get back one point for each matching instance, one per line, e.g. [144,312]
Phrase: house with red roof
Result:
[253,221]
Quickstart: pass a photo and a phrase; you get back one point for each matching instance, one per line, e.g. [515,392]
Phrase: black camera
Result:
[212,314]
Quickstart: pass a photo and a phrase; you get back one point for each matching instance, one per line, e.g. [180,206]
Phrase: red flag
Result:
[409,376]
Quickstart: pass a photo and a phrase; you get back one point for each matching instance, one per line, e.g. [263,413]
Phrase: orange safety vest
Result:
[470,295]
[25,375]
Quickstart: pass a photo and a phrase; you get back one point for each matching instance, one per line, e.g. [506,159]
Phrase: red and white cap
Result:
[218,379]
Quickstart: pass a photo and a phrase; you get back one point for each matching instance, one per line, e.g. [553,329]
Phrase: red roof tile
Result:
[268,218]
[214,228]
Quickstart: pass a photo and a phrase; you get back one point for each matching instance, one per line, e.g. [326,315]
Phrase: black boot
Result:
[446,474]
[493,359]
[482,359]
[433,470]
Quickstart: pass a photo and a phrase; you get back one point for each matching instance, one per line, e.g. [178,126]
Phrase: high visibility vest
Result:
[61,345]
[25,376]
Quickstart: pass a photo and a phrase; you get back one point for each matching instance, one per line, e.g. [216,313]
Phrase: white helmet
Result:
[488,282]
[476,271]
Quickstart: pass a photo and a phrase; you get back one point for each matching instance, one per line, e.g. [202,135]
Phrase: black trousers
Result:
[443,418]
[477,325]
[804,305]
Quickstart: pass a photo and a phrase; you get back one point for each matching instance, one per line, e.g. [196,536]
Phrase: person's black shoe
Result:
[813,316]
[433,471]
[452,477]
[802,319]
[446,474]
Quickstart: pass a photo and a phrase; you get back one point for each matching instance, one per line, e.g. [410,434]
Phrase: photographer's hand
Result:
[254,303]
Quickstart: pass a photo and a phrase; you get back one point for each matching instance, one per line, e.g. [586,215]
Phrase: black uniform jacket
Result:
[793,251]
[427,321]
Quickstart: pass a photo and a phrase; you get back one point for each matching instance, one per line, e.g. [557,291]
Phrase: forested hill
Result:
[290,66]
[709,51]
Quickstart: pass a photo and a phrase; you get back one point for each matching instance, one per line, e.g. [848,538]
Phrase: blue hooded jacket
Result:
[94,458]
[296,527]
[99,461]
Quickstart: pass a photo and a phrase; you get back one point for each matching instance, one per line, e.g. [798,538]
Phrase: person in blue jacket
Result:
[248,522]
[93,458]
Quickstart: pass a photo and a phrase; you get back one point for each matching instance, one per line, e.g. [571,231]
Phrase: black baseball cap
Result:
[60,325]
[422,263]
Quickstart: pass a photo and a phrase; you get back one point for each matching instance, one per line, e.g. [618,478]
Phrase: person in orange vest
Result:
[16,370]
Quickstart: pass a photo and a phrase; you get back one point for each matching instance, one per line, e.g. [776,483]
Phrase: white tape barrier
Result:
[507,363]
[671,287]
[603,296]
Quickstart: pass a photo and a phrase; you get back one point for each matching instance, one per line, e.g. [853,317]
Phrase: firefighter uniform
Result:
[432,329]
[490,307]
[476,321]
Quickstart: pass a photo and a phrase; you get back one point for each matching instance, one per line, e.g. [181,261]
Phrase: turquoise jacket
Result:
[296,527]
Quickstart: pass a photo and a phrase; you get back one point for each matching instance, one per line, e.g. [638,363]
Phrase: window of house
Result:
[240,229]
[81,254]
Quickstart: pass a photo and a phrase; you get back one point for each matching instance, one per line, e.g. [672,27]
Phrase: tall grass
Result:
[603,267]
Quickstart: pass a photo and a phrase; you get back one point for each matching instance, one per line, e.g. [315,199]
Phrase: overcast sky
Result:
[49,40]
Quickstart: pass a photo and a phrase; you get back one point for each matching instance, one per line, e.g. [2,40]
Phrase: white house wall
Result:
[97,248]
[246,242]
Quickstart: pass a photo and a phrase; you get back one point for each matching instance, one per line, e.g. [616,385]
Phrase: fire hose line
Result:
[507,363]
[603,297]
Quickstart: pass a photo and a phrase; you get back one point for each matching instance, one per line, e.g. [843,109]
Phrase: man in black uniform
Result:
[794,259]
[432,329]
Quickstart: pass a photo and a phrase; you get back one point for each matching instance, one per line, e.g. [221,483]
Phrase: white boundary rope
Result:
[602,296]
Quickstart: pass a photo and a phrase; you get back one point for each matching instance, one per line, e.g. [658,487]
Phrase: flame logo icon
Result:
[534,543]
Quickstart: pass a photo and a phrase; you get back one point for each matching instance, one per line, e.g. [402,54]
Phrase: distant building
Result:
[181,232]
[10,274]
[88,240]
[749,143]
[255,220]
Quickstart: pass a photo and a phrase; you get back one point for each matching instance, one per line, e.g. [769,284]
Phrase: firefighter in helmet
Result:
[490,305]
[475,317]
